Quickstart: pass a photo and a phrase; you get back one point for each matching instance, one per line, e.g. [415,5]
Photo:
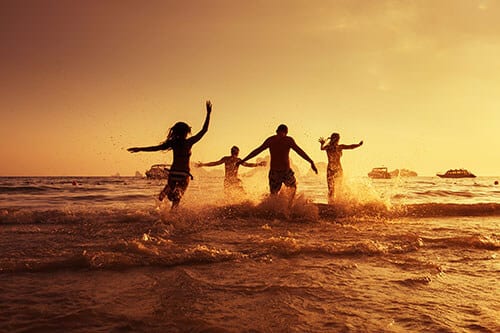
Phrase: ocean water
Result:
[101,254]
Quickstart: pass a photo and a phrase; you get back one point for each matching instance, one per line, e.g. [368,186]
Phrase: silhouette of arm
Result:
[209,164]
[323,143]
[161,146]
[195,138]
[303,154]
[356,145]
[253,165]
[255,152]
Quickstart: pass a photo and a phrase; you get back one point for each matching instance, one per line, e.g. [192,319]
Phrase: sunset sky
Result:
[418,81]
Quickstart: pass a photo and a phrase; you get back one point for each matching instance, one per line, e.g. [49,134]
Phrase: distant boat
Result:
[158,171]
[456,173]
[379,173]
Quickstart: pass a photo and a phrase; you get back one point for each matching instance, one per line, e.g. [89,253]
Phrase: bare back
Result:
[334,154]
[182,154]
[279,147]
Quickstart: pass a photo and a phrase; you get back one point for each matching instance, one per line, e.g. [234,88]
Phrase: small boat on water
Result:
[158,171]
[379,173]
[456,173]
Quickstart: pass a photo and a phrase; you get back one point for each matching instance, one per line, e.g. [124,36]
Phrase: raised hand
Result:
[209,106]
[361,142]
[321,140]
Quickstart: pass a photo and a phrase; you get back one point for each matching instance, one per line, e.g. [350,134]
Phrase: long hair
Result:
[335,137]
[332,139]
[177,134]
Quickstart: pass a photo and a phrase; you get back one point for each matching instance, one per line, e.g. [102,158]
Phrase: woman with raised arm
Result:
[334,170]
[178,141]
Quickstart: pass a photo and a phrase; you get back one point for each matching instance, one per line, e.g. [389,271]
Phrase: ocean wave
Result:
[63,189]
[446,210]
[413,210]
[26,189]
[288,246]
[415,281]
[97,198]
[475,241]
[156,251]
[107,239]
[425,182]
[146,252]
[77,216]
[446,193]
[416,265]
[301,212]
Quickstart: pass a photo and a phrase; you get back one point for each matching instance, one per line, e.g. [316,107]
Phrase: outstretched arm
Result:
[255,152]
[253,165]
[195,138]
[209,164]
[356,145]
[303,154]
[161,146]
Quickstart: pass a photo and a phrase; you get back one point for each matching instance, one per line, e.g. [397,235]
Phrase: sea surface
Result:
[102,254]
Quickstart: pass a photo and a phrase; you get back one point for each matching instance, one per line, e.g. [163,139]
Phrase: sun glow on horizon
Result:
[417,82]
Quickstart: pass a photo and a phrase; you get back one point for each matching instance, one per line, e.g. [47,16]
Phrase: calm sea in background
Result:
[101,254]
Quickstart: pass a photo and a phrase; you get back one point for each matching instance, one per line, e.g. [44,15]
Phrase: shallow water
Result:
[395,256]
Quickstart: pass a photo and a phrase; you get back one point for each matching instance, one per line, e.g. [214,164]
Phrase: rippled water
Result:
[101,254]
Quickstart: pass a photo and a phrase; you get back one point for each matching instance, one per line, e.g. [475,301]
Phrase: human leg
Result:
[275,182]
[291,183]
[175,188]
[330,180]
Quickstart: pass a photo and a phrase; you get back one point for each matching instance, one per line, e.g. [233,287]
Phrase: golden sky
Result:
[418,81]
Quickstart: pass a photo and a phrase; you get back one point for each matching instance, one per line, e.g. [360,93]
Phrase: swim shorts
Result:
[278,177]
[177,184]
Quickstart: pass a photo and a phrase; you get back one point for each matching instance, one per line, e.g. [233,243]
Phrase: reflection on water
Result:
[392,256]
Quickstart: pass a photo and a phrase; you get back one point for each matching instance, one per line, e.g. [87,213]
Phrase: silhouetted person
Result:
[280,172]
[178,141]
[232,184]
[334,170]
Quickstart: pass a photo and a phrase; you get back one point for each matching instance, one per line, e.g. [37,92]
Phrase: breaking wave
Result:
[301,211]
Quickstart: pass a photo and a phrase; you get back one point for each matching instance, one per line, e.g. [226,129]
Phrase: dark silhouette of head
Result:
[235,151]
[282,130]
[179,131]
[335,137]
